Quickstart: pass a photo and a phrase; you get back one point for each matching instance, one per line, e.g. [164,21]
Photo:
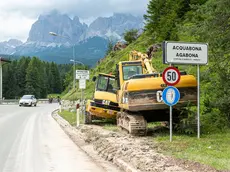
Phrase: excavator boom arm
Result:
[134,55]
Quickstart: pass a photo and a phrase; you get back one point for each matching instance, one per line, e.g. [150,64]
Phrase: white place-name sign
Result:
[82,74]
[185,53]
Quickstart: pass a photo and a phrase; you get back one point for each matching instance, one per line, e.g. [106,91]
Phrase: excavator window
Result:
[105,83]
[129,71]
[102,83]
[112,85]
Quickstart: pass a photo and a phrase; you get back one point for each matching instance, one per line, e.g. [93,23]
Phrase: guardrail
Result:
[16,101]
[43,100]
[9,101]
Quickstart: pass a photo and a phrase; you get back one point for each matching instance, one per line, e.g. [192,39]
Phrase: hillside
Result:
[198,21]
[108,64]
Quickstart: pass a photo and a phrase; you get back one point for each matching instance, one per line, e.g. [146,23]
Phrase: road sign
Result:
[82,74]
[185,53]
[171,76]
[82,83]
[171,95]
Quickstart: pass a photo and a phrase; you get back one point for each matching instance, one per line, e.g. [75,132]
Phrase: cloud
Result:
[17,16]
[14,26]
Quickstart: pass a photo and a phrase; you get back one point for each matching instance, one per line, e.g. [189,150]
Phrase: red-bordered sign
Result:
[171,76]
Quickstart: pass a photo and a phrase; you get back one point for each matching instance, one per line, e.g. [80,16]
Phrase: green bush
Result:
[131,35]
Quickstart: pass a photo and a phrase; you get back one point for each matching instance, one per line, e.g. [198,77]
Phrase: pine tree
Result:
[33,78]
[56,82]
[163,16]
[21,74]
[10,86]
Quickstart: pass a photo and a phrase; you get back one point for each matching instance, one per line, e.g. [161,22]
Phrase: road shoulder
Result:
[131,154]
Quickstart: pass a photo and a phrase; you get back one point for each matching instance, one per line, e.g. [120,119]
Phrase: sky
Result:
[17,16]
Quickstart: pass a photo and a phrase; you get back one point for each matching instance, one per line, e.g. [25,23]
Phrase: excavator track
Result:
[135,124]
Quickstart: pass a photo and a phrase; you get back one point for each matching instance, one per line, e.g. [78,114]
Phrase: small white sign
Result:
[82,74]
[185,53]
[82,83]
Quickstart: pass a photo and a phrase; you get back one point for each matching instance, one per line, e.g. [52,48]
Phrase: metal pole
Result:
[78,121]
[81,103]
[0,82]
[198,101]
[170,109]
[170,123]
[74,70]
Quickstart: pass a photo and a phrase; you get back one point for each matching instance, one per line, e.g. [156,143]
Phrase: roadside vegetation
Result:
[196,21]
[70,116]
[211,149]
[188,21]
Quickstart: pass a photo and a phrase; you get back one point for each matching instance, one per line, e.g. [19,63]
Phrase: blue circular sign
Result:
[171,95]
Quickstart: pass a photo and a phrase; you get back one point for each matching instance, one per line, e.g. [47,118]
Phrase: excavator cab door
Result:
[106,83]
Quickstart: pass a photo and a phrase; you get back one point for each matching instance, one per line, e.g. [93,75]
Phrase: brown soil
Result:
[132,154]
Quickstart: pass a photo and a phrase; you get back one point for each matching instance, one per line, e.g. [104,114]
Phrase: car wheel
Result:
[20,105]
[35,104]
[31,104]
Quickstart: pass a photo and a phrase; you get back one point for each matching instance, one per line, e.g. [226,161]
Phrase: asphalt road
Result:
[32,141]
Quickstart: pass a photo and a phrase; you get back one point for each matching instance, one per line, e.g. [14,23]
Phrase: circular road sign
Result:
[171,95]
[171,76]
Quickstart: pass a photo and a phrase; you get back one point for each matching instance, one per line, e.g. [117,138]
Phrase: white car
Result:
[28,100]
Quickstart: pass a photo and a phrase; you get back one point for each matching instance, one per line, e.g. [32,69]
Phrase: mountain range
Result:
[89,41]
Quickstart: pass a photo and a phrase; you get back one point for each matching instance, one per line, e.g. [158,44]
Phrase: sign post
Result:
[187,53]
[198,101]
[82,76]
[78,120]
[171,95]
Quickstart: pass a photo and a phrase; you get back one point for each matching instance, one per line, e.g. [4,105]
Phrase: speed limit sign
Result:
[171,76]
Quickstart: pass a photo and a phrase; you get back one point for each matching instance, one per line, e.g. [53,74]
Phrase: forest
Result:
[28,75]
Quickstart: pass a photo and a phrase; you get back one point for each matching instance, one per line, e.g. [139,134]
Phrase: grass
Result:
[70,117]
[212,149]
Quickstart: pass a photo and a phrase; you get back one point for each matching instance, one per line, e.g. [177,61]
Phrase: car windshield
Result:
[27,97]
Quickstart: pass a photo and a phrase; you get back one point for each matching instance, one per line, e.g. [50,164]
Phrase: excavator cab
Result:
[126,70]
[104,103]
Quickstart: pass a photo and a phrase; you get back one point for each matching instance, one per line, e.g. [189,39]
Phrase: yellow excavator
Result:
[137,96]
[104,103]
[139,93]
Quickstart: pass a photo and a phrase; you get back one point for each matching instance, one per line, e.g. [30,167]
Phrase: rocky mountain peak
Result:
[62,24]
[114,25]
[14,42]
